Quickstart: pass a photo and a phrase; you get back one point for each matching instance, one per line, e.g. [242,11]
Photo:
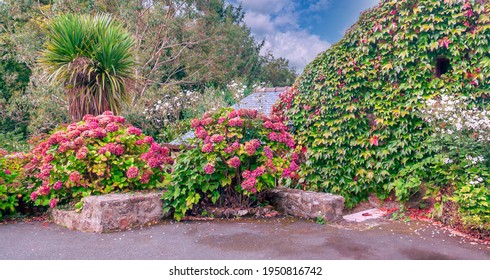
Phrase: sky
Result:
[299,30]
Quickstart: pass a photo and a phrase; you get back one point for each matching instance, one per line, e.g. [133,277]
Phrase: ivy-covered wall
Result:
[355,107]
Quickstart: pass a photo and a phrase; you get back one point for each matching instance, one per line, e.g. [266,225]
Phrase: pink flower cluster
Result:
[282,137]
[201,132]
[132,172]
[157,156]
[277,126]
[234,162]
[216,138]
[250,182]
[82,153]
[134,131]
[290,171]
[252,146]
[268,152]
[209,168]
[115,149]
[207,148]
[75,177]
[236,122]
[232,148]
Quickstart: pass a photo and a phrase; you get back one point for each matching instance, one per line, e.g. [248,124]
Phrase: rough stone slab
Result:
[112,212]
[306,204]
[365,215]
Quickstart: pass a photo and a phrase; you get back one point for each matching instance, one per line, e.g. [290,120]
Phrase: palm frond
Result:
[93,58]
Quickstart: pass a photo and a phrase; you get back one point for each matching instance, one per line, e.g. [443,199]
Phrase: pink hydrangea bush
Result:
[99,155]
[13,189]
[238,154]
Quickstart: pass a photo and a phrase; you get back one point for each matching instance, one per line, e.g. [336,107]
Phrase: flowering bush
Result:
[12,187]
[458,169]
[98,155]
[238,154]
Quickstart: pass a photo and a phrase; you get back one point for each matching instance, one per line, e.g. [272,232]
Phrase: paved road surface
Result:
[278,238]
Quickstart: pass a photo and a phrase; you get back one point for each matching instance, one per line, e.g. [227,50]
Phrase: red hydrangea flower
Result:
[87,117]
[44,190]
[7,172]
[195,123]
[139,142]
[250,148]
[132,172]
[232,148]
[93,125]
[221,120]
[268,124]
[112,127]
[207,148]
[33,196]
[134,131]
[236,122]
[216,138]
[209,168]
[201,133]
[53,202]
[234,162]
[233,114]
[249,185]
[75,177]
[119,119]
[259,171]
[82,153]
[58,185]
[148,140]
[268,152]
[145,178]
[207,121]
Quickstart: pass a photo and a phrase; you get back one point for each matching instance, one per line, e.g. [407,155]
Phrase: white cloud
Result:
[259,23]
[266,6]
[277,22]
[320,5]
[299,47]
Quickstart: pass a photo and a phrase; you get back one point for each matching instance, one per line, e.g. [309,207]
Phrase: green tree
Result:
[92,56]
[277,71]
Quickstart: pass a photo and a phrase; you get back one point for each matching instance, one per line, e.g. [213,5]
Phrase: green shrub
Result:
[98,155]
[238,155]
[13,189]
[355,106]
[459,168]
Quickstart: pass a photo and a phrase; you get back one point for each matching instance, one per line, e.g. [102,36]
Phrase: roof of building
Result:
[262,100]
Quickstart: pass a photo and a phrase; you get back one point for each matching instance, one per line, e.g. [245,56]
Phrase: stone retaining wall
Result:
[306,204]
[112,212]
[122,211]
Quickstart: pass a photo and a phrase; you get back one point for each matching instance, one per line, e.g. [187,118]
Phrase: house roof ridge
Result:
[272,89]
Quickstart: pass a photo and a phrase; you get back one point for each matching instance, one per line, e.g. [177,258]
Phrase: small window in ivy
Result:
[443,65]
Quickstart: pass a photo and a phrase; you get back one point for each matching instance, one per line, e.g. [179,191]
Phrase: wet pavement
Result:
[273,238]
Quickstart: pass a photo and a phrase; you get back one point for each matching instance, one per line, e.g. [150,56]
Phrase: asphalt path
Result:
[273,238]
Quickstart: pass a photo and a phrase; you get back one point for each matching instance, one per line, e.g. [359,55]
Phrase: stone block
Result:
[112,212]
[306,204]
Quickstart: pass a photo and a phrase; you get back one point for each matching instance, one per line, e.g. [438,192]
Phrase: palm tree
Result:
[92,56]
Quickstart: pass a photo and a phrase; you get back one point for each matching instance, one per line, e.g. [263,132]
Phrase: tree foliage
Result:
[92,57]
[277,71]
